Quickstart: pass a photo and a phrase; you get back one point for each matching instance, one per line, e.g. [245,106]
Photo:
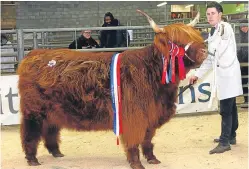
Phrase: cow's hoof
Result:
[32,160]
[33,163]
[58,155]
[137,166]
[154,161]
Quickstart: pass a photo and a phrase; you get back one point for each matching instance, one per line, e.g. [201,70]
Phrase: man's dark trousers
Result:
[229,122]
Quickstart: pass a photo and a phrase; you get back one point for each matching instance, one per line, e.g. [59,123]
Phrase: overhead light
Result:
[188,6]
[161,4]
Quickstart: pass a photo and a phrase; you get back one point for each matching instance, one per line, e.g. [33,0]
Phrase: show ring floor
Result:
[182,143]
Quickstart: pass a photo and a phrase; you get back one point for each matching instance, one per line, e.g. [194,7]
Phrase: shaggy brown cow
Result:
[75,93]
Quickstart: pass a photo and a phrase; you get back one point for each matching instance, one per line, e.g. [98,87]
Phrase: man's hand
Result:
[193,80]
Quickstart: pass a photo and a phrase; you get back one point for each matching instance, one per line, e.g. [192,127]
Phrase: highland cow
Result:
[74,92]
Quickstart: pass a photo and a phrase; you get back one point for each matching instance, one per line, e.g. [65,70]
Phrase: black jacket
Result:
[108,37]
[113,38]
[82,42]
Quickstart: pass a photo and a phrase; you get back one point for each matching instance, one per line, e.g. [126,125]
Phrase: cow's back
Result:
[39,58]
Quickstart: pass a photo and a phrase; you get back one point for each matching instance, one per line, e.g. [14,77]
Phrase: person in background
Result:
[227,85]
[113,38]
[243,58]
[84,41]
[224,19]
[10,67]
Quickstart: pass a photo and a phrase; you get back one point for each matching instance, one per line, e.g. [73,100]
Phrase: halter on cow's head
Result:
[182,36]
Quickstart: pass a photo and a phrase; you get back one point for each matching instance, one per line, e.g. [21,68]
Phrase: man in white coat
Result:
[226,83]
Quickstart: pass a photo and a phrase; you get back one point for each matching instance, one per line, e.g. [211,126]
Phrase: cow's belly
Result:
[95,117]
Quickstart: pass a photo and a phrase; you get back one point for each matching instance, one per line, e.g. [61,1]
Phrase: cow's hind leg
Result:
[133,158]
[30,137]
[147,147]
[51,134]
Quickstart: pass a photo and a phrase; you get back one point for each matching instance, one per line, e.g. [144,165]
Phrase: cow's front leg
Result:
[147,147]
[133,158]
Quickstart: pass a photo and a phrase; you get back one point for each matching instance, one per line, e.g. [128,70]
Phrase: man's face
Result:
[244,29]
[87,34]
[213,16]
[108,19]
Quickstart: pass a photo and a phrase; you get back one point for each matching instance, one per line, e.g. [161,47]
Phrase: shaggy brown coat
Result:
[75,93]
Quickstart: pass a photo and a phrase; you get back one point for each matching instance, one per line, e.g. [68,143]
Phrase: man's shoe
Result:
[232,141]
[220,149]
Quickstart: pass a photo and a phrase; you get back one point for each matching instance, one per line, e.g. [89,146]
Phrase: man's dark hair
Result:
[215,5]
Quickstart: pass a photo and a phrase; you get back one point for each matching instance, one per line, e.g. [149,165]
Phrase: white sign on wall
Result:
[194,99]
[9,100]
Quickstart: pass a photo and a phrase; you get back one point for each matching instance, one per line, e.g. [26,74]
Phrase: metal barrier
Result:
[239,104]
[44,36]
[143,35]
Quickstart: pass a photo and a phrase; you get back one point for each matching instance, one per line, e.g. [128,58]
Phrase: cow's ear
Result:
[161,42]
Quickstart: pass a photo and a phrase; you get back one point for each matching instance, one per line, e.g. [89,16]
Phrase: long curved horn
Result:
[188,45]
[152,23]
[195,21]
